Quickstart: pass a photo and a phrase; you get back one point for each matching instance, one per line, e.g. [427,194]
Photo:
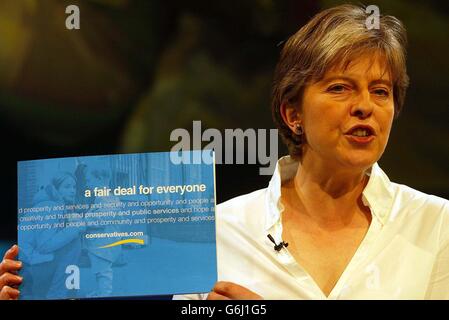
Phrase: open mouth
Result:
[361,131]
[361,134]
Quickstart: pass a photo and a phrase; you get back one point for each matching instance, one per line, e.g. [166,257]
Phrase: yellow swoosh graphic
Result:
[139,241]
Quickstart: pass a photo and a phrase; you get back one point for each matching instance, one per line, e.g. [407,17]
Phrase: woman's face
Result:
[67,190]
[362,94]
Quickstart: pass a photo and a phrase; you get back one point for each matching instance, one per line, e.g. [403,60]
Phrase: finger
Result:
[215,296]
[9,279]
[8,293]
[235,291]
[12,252]
[8,265]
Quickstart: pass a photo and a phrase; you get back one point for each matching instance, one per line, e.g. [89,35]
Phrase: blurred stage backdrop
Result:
[138,69]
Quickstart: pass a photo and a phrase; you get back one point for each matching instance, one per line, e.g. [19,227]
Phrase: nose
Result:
[363,107]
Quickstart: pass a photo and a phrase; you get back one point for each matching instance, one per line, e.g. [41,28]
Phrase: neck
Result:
[328,194]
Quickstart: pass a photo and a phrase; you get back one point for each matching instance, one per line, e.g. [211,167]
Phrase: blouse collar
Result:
[377,195]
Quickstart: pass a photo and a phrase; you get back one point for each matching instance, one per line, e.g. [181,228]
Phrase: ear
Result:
[291,115]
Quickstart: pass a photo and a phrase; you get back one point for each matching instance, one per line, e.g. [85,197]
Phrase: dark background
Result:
[138,69]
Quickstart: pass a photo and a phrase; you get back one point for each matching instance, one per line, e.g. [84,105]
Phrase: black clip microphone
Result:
[279,246]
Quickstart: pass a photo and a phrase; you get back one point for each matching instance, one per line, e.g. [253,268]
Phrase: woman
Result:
[351,233]
[339,228]
[58,244]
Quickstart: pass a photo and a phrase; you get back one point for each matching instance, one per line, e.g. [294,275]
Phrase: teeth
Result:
[360,133]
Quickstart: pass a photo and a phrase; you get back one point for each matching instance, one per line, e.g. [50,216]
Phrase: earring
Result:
[299,129]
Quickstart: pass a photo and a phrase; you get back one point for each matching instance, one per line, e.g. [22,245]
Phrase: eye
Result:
[337,88]
[381,92]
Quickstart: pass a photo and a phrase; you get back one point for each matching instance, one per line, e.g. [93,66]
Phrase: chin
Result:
[360,160]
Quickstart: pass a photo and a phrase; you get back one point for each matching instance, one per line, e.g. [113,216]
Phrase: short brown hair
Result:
[330,38]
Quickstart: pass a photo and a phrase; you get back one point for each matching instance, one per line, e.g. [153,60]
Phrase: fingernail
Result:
[19,263]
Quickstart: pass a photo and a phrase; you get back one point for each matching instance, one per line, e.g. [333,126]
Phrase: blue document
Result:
[117,225]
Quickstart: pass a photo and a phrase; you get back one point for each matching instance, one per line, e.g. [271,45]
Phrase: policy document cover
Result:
[117,225]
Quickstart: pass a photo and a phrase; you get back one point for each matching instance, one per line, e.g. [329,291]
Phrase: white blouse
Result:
[404,255]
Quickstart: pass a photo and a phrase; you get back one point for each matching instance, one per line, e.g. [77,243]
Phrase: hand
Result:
[9,280]
[224,290]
